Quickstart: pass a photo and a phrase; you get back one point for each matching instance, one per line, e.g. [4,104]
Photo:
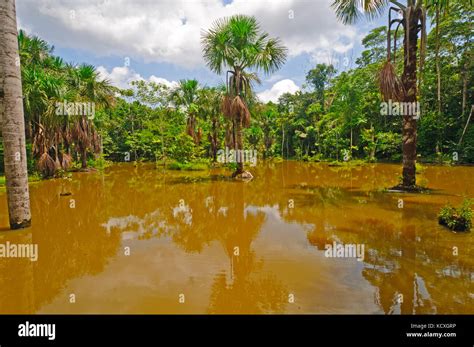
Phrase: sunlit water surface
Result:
[138,240]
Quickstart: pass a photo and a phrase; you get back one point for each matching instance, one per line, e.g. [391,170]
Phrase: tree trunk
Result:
[84,158]
[438,69]
[282,140]
[464,86]
[409,131]
[465,127]
[13,121]
[239,145]
[213,140]
[374,147]
[352,138]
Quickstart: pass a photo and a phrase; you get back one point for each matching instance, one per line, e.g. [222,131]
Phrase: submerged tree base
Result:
[24,224]
[408,189]
[242,176]
[455,223]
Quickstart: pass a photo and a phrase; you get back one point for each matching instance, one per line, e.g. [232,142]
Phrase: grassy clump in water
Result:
[192,166]
[349,163]
[457,219]
[99,163]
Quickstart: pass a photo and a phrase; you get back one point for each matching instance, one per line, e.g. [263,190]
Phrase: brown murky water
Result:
[231,247]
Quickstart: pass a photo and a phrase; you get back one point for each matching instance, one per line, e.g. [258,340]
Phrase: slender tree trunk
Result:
[374,147]
[409,131]
[84,158]
[464,87]
[438,69]
[133,134]
[213,140]
[12,119]
[352,137]
[465,127]
[282,141]
[239,148]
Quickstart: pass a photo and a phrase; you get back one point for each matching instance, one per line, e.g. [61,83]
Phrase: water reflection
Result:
[235,247]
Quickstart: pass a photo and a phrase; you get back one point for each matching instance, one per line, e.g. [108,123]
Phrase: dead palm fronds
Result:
[227,106]
[46,165]
[66,161]
[241,111]
[390,84]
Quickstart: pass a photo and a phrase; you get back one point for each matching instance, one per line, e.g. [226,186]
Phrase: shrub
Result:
[457,219]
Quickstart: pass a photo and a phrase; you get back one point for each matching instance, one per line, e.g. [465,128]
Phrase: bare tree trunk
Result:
[438,70]
[13,121]
[409,131]
[84,158]
[282,140]
[465,127]
[239,148]
[213,140]
[351,142]
[464,87]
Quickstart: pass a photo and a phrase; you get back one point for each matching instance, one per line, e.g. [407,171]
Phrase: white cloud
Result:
[159,80]
[122,76]
[278,89]
[169,31]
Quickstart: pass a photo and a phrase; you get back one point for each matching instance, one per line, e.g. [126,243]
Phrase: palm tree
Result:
[85,79]
[210,107]
[12,118]
[185,96]
[404,89]
[236,45]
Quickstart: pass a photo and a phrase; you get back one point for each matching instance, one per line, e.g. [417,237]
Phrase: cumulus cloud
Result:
[122,76]
[169,31]
[278,89]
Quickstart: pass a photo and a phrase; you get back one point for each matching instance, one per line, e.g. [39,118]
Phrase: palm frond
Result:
[350,11]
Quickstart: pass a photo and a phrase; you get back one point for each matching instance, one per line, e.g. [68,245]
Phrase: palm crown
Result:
[237,43]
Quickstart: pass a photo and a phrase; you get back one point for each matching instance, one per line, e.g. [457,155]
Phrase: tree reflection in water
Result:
[407,253]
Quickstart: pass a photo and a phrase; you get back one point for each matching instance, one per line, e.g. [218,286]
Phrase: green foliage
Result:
[336,113]
[193,166]
[99,163]
[182,149]
[457,219]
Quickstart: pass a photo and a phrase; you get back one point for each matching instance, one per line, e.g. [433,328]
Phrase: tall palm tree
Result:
[12,118]
[404,89]
[236,45]
[45,85]
[90,88]
[185,96]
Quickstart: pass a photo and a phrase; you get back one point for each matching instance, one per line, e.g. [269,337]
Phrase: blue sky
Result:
[159,40]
